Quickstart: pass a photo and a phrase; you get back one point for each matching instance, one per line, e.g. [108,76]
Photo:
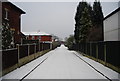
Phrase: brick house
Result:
[11,16]
[41,36]
[44,39]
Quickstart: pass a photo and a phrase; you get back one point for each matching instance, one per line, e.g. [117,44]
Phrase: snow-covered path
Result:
[62,64]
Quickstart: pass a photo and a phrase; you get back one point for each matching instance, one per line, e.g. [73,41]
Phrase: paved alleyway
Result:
[62,64]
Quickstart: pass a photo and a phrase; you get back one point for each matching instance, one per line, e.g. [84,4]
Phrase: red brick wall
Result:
[43,38]
[36,37]
[46,38]
[14,20]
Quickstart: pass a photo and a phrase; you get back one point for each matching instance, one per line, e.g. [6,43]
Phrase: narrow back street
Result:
[54,39]
[62,64]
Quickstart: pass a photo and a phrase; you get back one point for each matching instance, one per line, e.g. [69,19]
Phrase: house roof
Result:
[15,7]
[35,33]
[118,9]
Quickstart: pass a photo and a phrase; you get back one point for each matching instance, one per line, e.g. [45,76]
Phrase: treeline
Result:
[89,22]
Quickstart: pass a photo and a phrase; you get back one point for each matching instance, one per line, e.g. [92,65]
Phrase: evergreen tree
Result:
[76,34]
[6,36]
[91,13]
[70,41]
[78,16]
[98,19]
[86,24]
[98,14]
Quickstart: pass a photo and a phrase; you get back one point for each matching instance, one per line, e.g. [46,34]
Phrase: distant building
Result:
[41,36]
[11,16]
[112,26]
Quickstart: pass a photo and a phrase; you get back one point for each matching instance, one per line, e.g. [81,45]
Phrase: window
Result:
[27,37]
[6,14]
[32,37]
[39,38]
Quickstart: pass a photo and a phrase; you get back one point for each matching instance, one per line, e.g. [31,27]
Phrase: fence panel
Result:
[55,44]
[88,48]
[37,47]
[41,46]
[9,58]
[85,48]
[93,49]
[77,47]
[31,49]
[113,52]
[80,47]
[107,51]
[46,46]
[23,51]
[101,51]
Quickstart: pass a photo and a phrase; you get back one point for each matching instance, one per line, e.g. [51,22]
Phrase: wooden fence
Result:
[107,52]
[9,58]
[14,58]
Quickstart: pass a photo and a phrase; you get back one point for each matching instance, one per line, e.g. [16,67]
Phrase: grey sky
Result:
[54,17]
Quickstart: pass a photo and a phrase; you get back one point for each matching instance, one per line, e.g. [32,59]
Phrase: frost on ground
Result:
[62,64]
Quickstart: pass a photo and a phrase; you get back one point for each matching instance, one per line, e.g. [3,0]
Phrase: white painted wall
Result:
[112,28]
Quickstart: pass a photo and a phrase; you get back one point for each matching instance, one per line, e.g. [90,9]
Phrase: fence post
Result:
[86,48]
[39,46]
[51,45]
[105,53]
[28,50]
[78,47]
[90,49]
[18,54]
[97,51]
[42,47]
[35,50]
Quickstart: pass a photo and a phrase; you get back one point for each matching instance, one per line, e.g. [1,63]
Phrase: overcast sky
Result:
[54,17]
